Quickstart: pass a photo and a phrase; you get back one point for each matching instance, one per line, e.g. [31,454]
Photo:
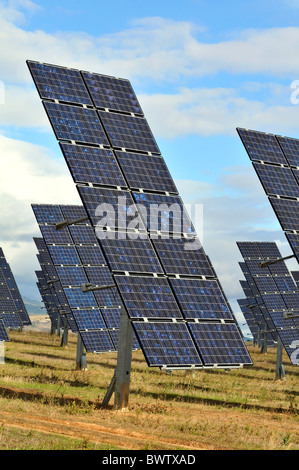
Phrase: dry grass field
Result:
[48,405]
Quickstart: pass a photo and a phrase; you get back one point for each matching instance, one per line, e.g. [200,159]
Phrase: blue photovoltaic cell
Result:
[287,212]
[111,316]
[89,319]
[219,343]
[291,300]
[129,132]
[112,93]
[146,171]
[47,213]
[91,255]
[59,83]
[131,255]
[249,250]
[116,208]
[71,275]
[177,258]
[73,123]
[277,180]
[99,275]
[107,298]
[269,250]
[265,284]
[261,146]
[79,299]
[64,255]
[148,297]
[273,302]
[290,149]
[74,213]
[255,268]
[200,299]
[51,235]
[168,344]
[83,234]
[97,341]
[285,284]
[92,165]
[164,213]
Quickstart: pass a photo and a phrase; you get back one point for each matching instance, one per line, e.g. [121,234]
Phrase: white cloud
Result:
[28,175]
[217,111]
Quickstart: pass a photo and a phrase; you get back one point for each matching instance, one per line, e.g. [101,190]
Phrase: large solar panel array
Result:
[77,259]
[12,308]
[171,294]
[276,161]
[276,287]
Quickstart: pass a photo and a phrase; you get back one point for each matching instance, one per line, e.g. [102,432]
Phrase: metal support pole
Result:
[58,324]
[52,327]
[264,348]
[120,383]
[64,339]
[258,336]
[81,355]
[280,372]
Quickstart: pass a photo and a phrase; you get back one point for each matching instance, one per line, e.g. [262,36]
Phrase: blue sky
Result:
[200,69]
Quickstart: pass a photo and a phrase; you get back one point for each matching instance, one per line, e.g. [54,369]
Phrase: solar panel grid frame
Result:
[123,119]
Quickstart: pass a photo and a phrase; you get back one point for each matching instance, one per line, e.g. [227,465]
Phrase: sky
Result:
[200,69]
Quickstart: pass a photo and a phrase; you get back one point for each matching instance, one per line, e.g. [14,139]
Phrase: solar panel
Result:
[280,182]
[200,299]
[219,343]
[277,290]
[119,195]
[131,255]
[128,132]
[148,297]
[290,148]
[95,165]
[286,211]
[261,146]
[59,83]
[12,307]
[148,172]
[115,206]
[277,180]
[112,93]
[167,344]
[164,213]
[74,123]
[177,259]
[14,290]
